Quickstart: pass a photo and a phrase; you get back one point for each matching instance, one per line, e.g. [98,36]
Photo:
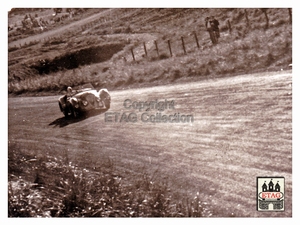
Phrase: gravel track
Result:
[241,129]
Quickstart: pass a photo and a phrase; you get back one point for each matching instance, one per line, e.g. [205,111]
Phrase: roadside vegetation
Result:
[252,44]
[48,186]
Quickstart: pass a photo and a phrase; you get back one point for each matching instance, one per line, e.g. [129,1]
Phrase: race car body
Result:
[82,100]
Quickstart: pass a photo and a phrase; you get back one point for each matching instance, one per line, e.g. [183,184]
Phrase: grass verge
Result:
[53,187]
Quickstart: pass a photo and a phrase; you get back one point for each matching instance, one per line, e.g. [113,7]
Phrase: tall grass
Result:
[248,48]
[53,187]
[253,52]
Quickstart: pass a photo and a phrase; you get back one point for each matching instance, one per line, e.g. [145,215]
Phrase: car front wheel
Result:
[74,113]
[65,110]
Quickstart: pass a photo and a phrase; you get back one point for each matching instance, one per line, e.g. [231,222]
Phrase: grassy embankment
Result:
[53,187]
[248,48]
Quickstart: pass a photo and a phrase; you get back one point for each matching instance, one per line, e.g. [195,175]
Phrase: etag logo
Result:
[270,193]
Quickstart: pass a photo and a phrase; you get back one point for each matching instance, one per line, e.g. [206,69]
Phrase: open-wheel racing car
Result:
[83,99]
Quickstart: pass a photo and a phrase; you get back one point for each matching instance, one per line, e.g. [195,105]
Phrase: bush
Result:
[62,189]
[163,56]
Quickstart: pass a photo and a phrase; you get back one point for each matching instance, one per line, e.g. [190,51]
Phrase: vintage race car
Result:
[82,100]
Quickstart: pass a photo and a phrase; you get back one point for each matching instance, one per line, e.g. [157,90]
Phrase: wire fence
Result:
[156,48]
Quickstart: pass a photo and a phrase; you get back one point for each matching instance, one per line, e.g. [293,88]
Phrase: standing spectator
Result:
[212,26]
[214,23]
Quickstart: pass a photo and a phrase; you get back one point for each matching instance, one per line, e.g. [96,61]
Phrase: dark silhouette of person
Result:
[214,23]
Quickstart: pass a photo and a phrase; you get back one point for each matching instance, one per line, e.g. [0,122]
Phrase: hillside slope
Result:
[251,40]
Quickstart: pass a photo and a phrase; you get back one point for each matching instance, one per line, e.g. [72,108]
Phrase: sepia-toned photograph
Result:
[173,112]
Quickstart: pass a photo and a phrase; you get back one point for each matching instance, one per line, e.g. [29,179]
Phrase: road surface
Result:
[241,129]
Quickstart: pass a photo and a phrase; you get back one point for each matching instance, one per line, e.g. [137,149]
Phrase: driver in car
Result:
[68,96]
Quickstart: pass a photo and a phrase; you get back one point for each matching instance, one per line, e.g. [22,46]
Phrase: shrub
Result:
[130,80]
[62,189]
[163,56]
[176,74]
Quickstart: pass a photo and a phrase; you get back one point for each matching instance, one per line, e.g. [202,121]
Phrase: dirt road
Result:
[60,30]
[241,129]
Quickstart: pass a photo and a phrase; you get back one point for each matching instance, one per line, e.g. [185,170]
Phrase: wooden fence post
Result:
[156,48]
[229,26]
[196,38]
[247,19]
[264,10]
[145,49]
[169,44]
[183,45]
[132,54]
[290,14]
